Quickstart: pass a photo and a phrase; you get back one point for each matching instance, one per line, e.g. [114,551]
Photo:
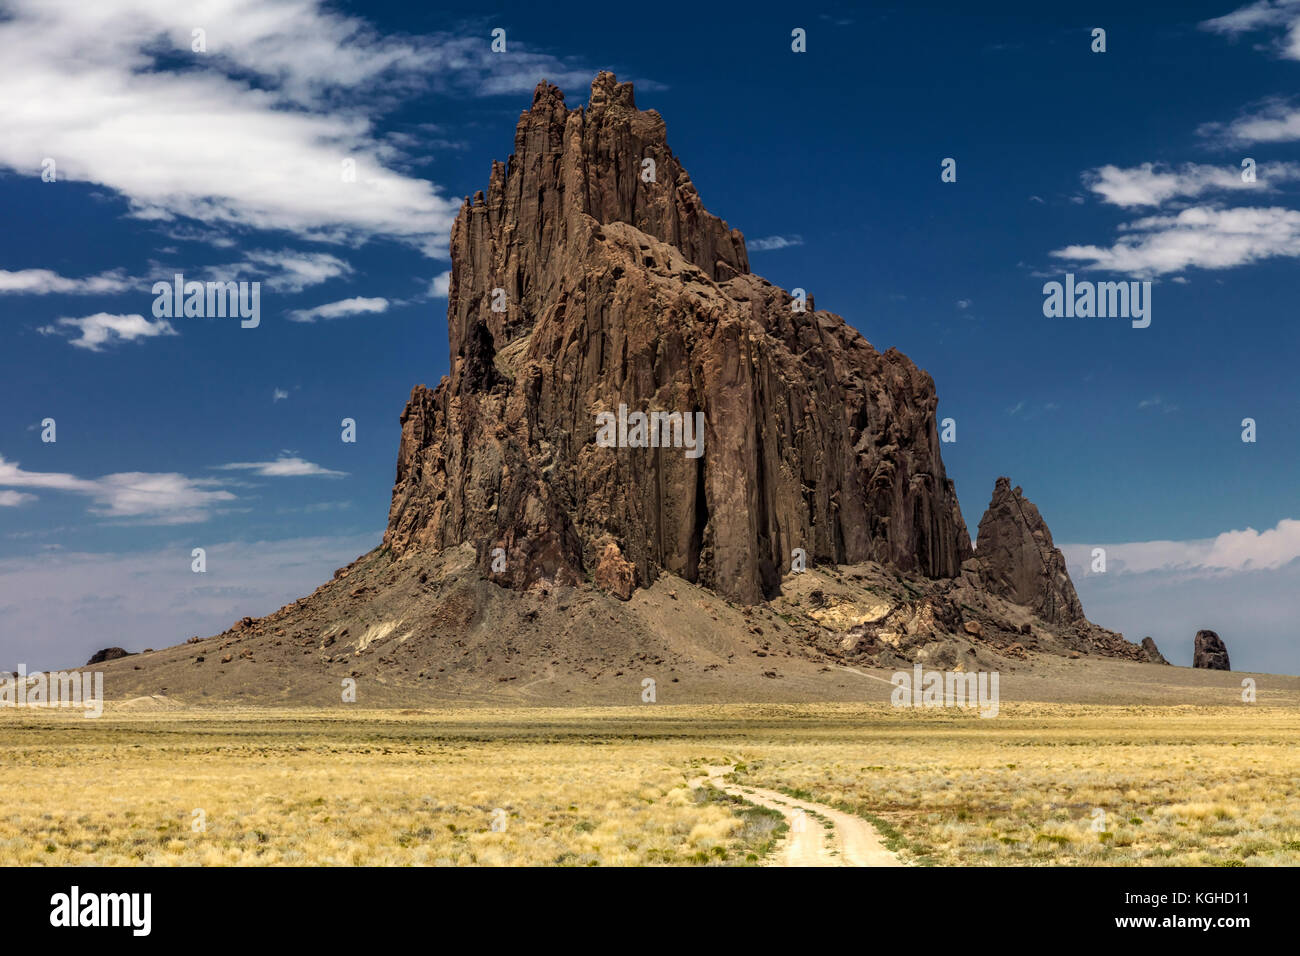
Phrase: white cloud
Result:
[286,270]
[440,286]
[1156,402]
[1152,184]
[193,137]
[254,132]
[12,499]
[95,331]
[1204,237]
[1229,552]
[1283,15]
[278,394]
[773,242]
[963,304]
[283,467]
[156,498]
[341,309]
[1276,121]
[46,282]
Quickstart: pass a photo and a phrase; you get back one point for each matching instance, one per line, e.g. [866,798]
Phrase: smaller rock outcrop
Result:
[614,573]
[1152,652]
[1210,652]
[107,654]
[1017,560]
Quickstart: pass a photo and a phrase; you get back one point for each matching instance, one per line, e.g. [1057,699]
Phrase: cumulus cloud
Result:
[357,305]
[47,282]
[184,134]
[152,498]
[283,467]
[1204,237]
[271,127]
[93,332]
[1229,552]
[1152,184]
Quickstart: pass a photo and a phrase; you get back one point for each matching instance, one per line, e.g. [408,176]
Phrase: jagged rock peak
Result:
[1018,560]
[580,284]
[1152,652]
[570,166]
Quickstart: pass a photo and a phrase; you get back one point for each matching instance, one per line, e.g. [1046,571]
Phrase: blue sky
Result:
[224,164]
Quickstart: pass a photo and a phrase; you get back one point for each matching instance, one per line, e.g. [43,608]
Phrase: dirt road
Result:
[819,835]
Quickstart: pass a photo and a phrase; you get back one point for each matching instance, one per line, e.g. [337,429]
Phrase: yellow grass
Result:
[609,786]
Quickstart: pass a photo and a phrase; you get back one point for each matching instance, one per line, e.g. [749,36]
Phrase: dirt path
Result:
[848,841]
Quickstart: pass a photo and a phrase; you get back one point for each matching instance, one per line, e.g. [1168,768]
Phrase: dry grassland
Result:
[1041,784]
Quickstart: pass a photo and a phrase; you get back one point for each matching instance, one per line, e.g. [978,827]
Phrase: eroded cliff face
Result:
[616,288]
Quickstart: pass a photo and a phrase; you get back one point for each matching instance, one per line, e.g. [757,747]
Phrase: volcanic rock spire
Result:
[1018,561]
[1210,652]
[590,276]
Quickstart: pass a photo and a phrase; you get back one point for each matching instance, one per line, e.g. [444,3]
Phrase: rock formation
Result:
[1152,652]
[1210,652]
[107,654]
[589,276]
[1017,560]
[538,553]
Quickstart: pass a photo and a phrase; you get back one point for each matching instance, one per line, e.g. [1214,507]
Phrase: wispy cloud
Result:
[1276,120]
[1204,237]
[12,499]
[1157,403]
[283,467]
[357,305]
[1152,184]
[285,270]
[47,282]
[153,498]
[1278,16]
[94,332]
[773,242]
[278,395]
